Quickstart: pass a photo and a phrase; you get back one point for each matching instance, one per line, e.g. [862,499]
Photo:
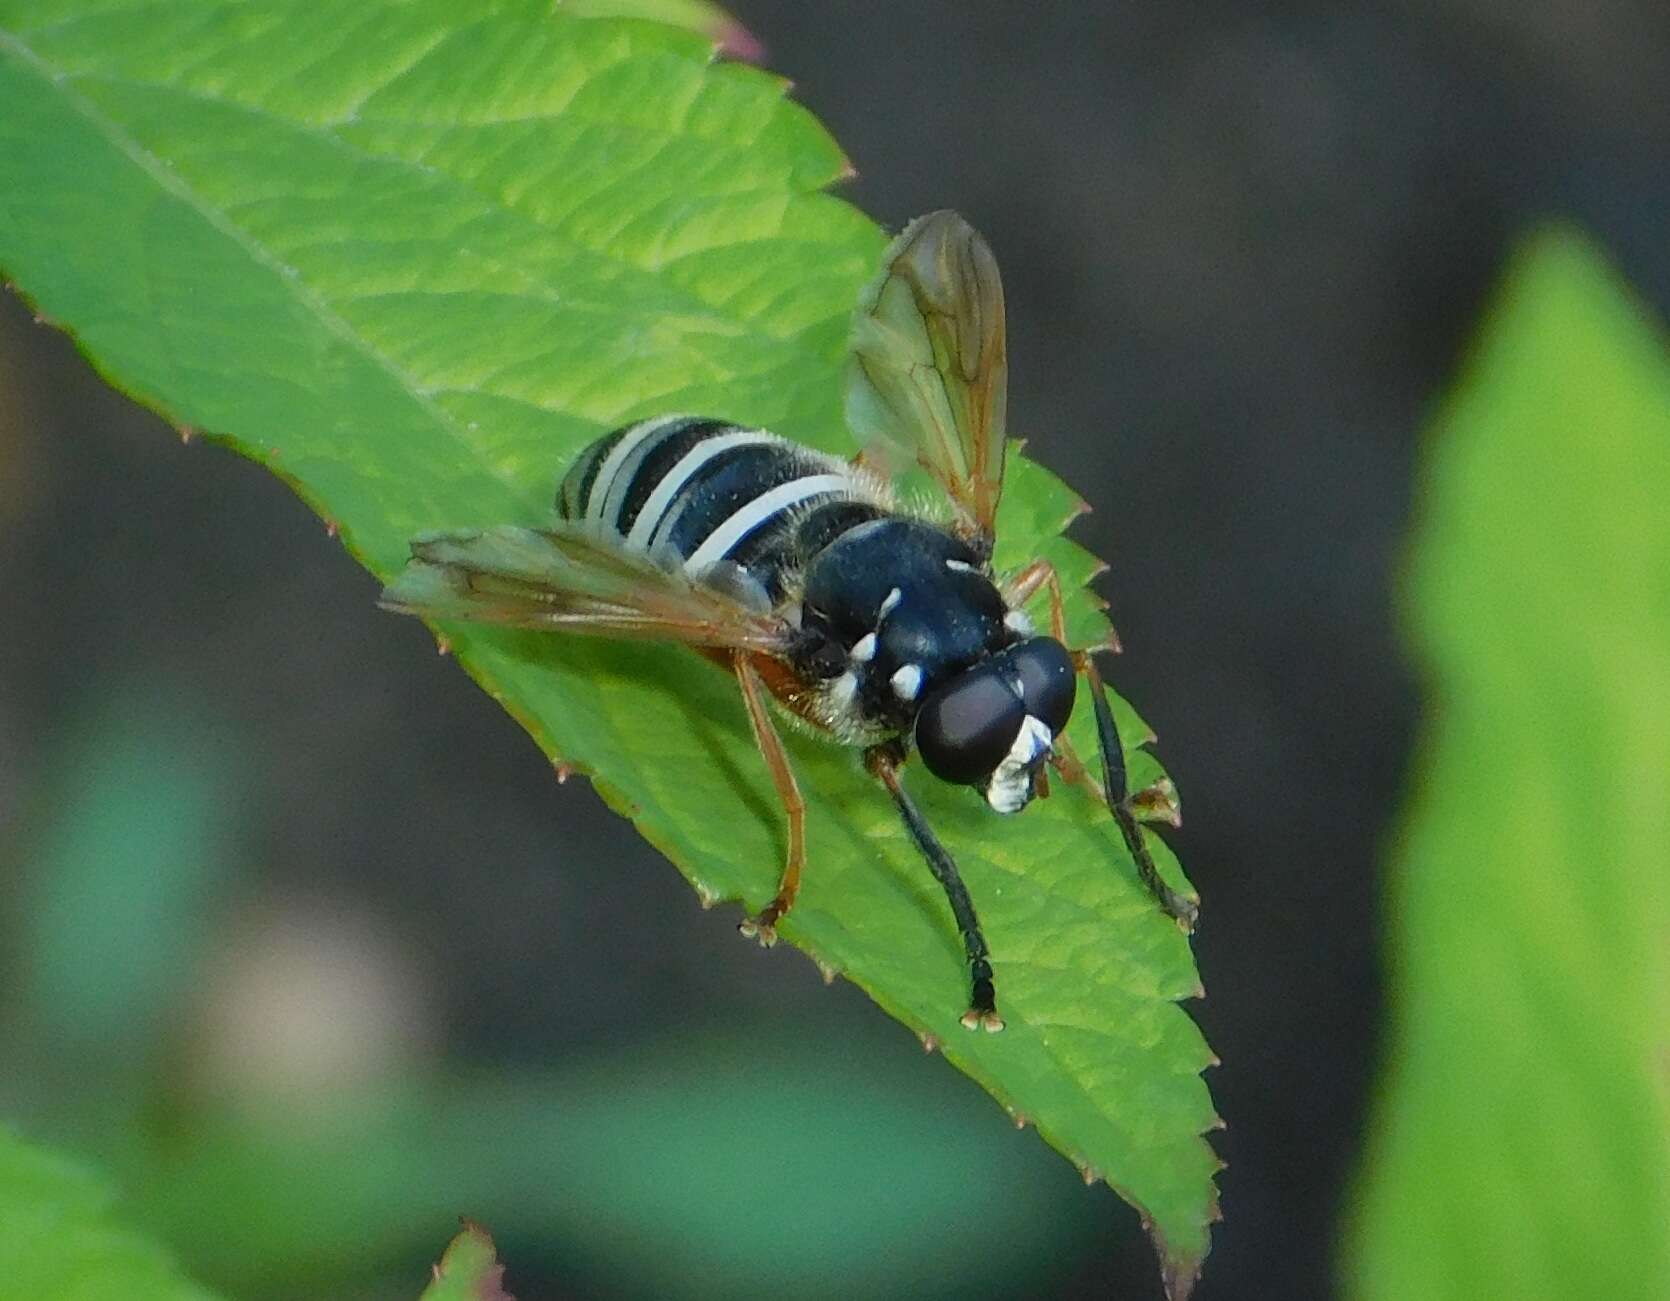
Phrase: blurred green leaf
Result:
[121,877]
[59,1240]
[412,261]
[1523,1137]
[469,1270]
[713,1166]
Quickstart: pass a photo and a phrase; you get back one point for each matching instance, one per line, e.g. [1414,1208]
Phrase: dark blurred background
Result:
[1244,246]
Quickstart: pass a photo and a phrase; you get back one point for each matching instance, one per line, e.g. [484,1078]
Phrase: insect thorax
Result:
[912,606]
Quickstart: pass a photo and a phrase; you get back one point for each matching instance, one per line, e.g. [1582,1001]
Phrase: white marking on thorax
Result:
[889,605]
[745,520]
[1018,621]
[684,469]
[1011,785]
[960,566]
[907,681]
[864,649]
[603,486]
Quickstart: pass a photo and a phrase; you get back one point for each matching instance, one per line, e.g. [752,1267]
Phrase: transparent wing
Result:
[560,580]
[928,375]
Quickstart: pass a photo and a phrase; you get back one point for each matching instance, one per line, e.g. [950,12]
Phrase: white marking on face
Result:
[960,566]
[890,604]
[907,681]
[1019,622]
[864,649]
[1011,785]
[842,691]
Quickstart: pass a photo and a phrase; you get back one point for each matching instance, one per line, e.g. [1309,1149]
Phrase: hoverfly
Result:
[809,578]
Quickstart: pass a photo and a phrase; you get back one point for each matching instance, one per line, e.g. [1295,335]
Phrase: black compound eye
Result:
[965,729]
[1048,681]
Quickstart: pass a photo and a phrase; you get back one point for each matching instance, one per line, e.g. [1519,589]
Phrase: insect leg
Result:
[1183,909]
[1019,587]
[982,1011]
[764,926]
[1119,800]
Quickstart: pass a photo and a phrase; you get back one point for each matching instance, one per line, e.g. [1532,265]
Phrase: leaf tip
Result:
[827,970]
[469,1267]
[731,40]
[1179,1278]
[563,769]
[1090,1174]
[704,896]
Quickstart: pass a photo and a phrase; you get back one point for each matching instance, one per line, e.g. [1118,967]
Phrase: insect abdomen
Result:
[694,493]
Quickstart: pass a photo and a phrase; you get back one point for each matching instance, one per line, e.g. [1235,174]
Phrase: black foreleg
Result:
[883,761]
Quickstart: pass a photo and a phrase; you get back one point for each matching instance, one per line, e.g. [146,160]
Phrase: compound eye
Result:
[966,728]
[1048,681]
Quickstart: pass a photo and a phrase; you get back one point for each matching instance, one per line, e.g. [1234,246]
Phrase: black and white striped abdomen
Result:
[695,493]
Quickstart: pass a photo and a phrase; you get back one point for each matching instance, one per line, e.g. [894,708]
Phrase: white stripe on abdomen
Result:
[610,485]
[656,505]
[749,517]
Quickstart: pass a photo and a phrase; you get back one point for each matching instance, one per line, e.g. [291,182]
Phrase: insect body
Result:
[802,573]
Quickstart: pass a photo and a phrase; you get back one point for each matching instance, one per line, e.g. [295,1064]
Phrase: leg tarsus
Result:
[1155,803]
[883,761]
[1179,907]
[763,927]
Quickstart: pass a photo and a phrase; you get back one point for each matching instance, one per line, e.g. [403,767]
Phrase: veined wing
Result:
[561,580]
[929,371]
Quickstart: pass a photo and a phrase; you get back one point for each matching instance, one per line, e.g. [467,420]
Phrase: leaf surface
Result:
[1523,1138]
[413,262]
[469,1270]
[60,1242]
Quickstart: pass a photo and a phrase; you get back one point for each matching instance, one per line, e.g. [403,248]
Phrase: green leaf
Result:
[60,1242]
[413,262]
[1523,1137]
[469,1270]
[799,1171]
[732,38]
[132,844]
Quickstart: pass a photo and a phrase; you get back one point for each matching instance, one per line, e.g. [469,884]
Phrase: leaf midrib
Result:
[532,505]
[263,256]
